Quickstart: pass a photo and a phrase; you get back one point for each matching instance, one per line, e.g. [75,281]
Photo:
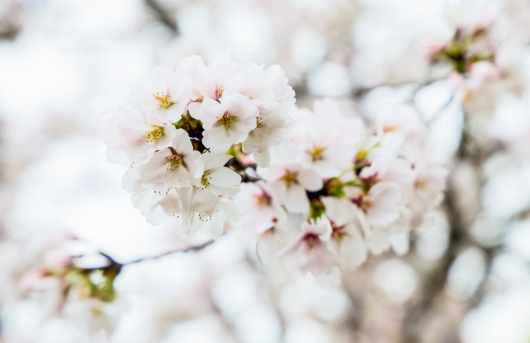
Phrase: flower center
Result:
[155,134]
[316,154]
[263,199]
[205,179]
[173,162]
[420,185]
[227,120]
[289,178]
[259,121]
[219,92]
[311,240]
[163,99]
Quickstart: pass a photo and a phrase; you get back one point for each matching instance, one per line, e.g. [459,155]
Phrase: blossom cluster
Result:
[319,189]
[180,128]
[349,191]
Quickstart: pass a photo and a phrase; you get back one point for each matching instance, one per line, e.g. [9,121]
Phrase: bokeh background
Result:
[62,62]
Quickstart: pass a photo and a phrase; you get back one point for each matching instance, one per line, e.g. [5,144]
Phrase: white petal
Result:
[296,199]
[310,180]
[194,164]
[340,211]
[177,178]
[181,142]
[202,200]
[230,210]
[225,182]
[263,160]
[212,161]
[218,140]
[268,247]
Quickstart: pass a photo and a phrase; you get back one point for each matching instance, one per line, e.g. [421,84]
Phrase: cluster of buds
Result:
[319,189]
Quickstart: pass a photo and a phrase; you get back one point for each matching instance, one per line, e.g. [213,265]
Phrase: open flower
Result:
[165,97]
[130,131]
[346,240]
[226,123]
[310,251]
[381,204]
[175,166]
[267,134]
[215,181]
[289,182]
[260,209]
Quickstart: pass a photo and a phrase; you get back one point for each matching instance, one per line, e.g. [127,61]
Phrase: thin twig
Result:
[163,16]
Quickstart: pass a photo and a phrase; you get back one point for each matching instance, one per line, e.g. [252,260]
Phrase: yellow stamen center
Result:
[316,154]
[155,134]
[220,91]
[163,99]
[259,121]
[289,178]
[173,162]
[420,185]
[227,120]
[205,179]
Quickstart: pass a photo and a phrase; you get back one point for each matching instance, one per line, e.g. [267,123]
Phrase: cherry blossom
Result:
[165,96]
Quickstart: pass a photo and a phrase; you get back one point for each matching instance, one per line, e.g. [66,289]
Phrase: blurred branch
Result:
[115,267]
[190,249]
[163,15]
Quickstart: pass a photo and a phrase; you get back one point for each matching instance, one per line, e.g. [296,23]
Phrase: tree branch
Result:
[163,16]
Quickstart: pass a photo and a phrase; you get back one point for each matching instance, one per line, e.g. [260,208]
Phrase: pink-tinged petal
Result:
[310,180]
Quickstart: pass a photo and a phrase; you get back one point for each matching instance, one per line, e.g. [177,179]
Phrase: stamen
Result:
[227,120]
[173,162]
[220,92]
[289,178]
[264,199]
[316,154]
[155,134]
[164,100]
[206,179]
